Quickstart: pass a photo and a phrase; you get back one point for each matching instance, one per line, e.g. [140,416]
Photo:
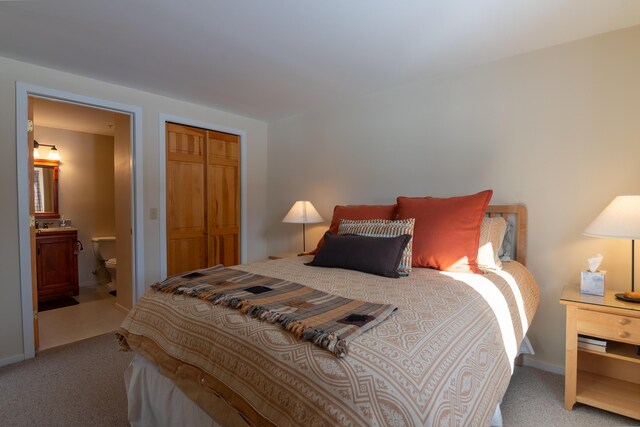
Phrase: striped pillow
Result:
[383,228]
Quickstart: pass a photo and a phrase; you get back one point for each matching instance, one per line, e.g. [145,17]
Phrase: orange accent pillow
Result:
[447,230]
[357,212]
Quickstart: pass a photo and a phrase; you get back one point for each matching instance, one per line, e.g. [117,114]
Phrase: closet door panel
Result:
[223,207]
[185,255]
[186,196]
[224,249]
[223,196]
[186,199]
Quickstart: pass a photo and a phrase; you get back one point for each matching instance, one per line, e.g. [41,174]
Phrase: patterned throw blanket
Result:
[328,321]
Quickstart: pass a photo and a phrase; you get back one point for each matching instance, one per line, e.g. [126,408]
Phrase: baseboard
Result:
[12,359]
[544,366]
[122,308]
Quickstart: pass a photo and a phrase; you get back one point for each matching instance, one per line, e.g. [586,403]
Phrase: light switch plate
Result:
[153,213]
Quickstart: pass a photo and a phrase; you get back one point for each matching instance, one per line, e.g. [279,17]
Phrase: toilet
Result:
[104,249]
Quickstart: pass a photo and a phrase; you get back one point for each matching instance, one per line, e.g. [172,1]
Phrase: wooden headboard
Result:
[518,216]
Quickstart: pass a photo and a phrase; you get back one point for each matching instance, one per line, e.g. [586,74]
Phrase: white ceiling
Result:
[269,59]
[63,115]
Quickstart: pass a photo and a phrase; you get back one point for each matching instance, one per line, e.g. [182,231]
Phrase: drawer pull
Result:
[623,321]
[623,334]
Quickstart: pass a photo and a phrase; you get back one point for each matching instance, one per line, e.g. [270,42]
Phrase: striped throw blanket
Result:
[328,321]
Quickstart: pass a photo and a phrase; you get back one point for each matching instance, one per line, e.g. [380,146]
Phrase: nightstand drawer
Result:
[611,326]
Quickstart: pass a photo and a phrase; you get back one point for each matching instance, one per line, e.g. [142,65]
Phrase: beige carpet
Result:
[81,384]
[536,398]
[78,384]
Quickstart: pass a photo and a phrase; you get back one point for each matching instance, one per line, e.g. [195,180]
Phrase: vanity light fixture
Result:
[36,153]
[53,152]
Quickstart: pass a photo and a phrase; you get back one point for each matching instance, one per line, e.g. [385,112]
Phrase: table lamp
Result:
[303,212]
[619,220]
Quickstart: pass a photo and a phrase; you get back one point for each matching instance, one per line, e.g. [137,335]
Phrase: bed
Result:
[445,357]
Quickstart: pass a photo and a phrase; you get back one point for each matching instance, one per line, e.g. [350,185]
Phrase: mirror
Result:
[45,189]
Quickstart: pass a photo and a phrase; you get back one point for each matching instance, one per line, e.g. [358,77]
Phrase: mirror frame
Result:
[53,164]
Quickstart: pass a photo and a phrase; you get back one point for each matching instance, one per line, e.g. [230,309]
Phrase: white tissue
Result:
[594,262]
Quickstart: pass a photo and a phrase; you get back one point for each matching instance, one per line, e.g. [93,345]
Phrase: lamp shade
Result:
[621,219]
[54,154]
[302,212]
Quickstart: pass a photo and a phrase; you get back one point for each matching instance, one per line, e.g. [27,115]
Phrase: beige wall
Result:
[86,193]
[152,105]
[557,129]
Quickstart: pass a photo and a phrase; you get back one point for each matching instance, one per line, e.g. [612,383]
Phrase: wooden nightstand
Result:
[610,380]
[284,255]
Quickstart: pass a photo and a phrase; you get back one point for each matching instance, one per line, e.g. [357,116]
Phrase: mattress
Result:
[444,357]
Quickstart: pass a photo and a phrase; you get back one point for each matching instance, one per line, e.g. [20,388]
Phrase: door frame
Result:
[162,160]
[23,92]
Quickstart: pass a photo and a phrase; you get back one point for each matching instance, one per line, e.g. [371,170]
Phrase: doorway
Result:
[129,158]
[82,229]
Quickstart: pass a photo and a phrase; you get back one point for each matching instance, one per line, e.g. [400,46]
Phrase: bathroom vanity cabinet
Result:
[56,262]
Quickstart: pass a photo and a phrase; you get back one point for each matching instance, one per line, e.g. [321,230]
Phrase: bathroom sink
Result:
[54,229]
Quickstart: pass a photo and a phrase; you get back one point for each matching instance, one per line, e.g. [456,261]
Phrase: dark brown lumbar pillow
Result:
[375,255]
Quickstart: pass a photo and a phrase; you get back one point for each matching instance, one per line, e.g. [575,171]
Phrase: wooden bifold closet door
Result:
[203,198]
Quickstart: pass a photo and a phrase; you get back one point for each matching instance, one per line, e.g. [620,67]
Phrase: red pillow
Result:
[447,231]
[357,212]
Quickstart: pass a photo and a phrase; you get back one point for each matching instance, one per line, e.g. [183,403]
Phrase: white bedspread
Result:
[444,358]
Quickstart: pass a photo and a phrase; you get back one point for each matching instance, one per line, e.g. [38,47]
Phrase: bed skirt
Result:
[154,400]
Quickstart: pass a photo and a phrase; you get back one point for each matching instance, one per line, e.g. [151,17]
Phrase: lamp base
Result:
[633,259]
[627,299]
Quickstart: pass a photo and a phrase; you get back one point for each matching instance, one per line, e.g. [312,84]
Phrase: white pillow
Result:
[492,231]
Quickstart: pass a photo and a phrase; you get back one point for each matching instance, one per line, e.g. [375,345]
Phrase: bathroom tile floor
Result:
[95,315]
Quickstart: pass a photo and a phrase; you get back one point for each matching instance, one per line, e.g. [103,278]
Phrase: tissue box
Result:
[592,282]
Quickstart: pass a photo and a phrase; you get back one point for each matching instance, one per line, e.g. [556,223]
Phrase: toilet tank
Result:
[104,247]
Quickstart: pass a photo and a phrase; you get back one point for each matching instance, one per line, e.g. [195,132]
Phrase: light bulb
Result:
[53,154]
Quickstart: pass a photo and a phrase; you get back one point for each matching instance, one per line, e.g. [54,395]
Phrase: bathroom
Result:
[83,137]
